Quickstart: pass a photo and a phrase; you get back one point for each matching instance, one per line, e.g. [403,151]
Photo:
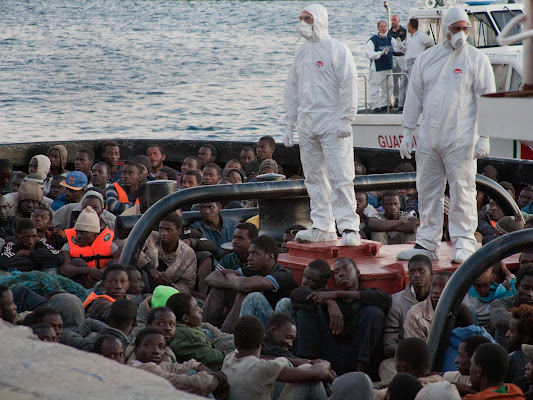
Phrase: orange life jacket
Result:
[98,253]
[93,296]
[121,193]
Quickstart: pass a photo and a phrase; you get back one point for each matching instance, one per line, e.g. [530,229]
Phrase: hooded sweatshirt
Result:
[43,165]
[457,335]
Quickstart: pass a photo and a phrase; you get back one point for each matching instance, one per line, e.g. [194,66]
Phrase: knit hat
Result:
[142,159]
[161,295]
[63,152]
[88,221]
[34,178]
[509,224]
[43,165]
[268,163]
[75,180]
[93,193]
[30,191]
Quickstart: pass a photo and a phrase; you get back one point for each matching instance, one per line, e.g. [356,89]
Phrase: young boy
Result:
[115,286]
[149,351]
[190,340]
[250,377]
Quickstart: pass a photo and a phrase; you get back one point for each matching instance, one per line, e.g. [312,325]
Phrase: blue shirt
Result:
[228,229]
[59,202]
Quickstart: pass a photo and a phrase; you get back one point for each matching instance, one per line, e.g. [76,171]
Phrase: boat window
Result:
[503,17]
[516,80]
[482,33]
[431,26]
[500,76]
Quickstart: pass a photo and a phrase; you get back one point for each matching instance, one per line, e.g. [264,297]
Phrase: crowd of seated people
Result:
[235,323]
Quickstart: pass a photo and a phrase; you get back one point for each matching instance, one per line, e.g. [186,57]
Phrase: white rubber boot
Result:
[408,254]
[315,235]
[460,255]
[350,238]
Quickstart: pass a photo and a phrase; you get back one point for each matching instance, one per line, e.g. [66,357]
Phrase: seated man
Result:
[242,239]
[166,173]
[115,285]
[7,223]
[250,377]
[88,249]
[163,319]
[247,154]
[111,156]
[42,218]
[211,174]
[45,332]
[121,321]
[191,178]
[485,290]
[28,253]
[392,226]
[500,311]
[346,326]
[120,197]
[207,154]
[214,227]
[66,216]
[27,199]
[520,332]
[45,315]
[461,377]
[190,340]
[84,161]
[528,350]
[100,175]
[420,271]
[167,260]
[149,353]
[157,155]
[419,318]
[6,173]
[190,163]
[487,222]
[365,211]
[412,357]
[109,347]
[8,309]
[75,184]
[488,369]
[263,274]
[289,235]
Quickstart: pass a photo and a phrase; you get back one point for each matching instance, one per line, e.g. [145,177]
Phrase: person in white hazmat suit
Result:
[445,84]
[320,99]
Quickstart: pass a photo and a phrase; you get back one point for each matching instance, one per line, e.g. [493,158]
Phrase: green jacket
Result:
[192,342]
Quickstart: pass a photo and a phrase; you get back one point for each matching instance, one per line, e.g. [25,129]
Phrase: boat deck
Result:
[377,263]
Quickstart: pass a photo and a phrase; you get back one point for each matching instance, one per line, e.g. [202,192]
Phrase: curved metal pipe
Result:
[460,282]
[282,189]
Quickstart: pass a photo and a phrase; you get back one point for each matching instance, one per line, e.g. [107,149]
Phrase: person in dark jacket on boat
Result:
[120,197]
[343,326]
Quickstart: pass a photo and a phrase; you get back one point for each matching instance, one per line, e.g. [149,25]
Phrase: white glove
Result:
[385,51]
[288,136]
[482,147]
[344,129]
[407,144]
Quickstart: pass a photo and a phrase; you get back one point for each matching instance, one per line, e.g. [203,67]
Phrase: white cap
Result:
[443,390]
[88,221]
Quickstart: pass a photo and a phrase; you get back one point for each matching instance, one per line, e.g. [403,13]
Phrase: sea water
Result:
[202,70]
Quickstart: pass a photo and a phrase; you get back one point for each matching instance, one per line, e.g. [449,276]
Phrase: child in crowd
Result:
[250,377]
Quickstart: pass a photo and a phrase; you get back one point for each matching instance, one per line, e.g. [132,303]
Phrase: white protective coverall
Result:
[445,84]
[320,99]
[377,80]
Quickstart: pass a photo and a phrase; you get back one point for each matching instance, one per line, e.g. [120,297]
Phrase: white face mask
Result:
[305,29]
[458,40]
[382,35]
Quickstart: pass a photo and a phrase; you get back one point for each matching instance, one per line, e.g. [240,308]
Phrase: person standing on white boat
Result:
[379,49]
[415,45]
[321,100]
[446,82]
[398,34]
